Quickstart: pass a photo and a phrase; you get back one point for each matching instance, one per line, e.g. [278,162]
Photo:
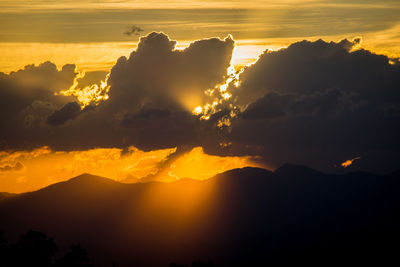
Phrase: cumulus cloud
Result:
[27,98]
[317,103]
[150,98]
[45,76]
[153,92]
[314,103]
[305,67]
[159,75]
[68,112]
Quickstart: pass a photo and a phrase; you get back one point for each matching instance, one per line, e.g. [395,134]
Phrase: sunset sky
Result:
[163,90]
[90,33]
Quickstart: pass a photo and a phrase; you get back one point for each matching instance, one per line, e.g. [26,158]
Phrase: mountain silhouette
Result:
[242,217]
[5,196]
[290,170]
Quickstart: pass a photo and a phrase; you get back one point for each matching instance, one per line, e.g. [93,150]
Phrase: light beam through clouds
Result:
[89,95]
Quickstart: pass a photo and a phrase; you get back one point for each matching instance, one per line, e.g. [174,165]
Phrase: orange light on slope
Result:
[198,165]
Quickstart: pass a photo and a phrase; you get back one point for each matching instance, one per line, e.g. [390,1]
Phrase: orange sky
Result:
[91,35]
[31,170]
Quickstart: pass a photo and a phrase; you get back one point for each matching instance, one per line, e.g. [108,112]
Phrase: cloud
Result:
[313,103]
[27,98]
[127,165]
[148,100]
[68,112]
[17,167]
[153,92]
[318,102]
[158,74]
[349,162]
[133,30]
[45,76]
[294,69]
[43,166]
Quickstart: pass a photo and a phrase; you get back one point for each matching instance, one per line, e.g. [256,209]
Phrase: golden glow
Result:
[224,122]
[87,56]
[197,110]
[41,167]
[225,144]
[347,163]
[226,96]
[247,51]
[221,96]
[103,55]
[13,6]
[91,94]
[198,165]
[181,203]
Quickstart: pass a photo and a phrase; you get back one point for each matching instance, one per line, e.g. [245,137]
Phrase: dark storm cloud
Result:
[314,103]
[68,112]
[133,30]
[306,67]
[317,102]
[152,128]
[157,74]
[19,89]
[152,94]
[27,98]
[154,90]
[45,76]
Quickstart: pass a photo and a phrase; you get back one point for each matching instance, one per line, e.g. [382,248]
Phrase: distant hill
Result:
[243,217]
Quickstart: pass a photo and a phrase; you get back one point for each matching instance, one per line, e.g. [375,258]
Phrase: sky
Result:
[163,90]
[90,33]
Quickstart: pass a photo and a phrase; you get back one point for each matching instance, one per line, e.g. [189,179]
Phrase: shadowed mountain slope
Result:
[243,217]
[6,196]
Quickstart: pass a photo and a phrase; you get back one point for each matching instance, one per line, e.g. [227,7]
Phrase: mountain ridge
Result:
[285,170]
[242,217]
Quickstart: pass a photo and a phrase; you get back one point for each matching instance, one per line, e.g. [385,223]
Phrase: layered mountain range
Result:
[243,217]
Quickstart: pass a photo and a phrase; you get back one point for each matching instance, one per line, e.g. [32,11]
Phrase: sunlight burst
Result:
[89,95]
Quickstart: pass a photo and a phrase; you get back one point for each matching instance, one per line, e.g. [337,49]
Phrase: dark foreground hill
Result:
[243,217]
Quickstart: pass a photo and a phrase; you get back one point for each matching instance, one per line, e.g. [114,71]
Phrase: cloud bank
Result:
[316,103]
